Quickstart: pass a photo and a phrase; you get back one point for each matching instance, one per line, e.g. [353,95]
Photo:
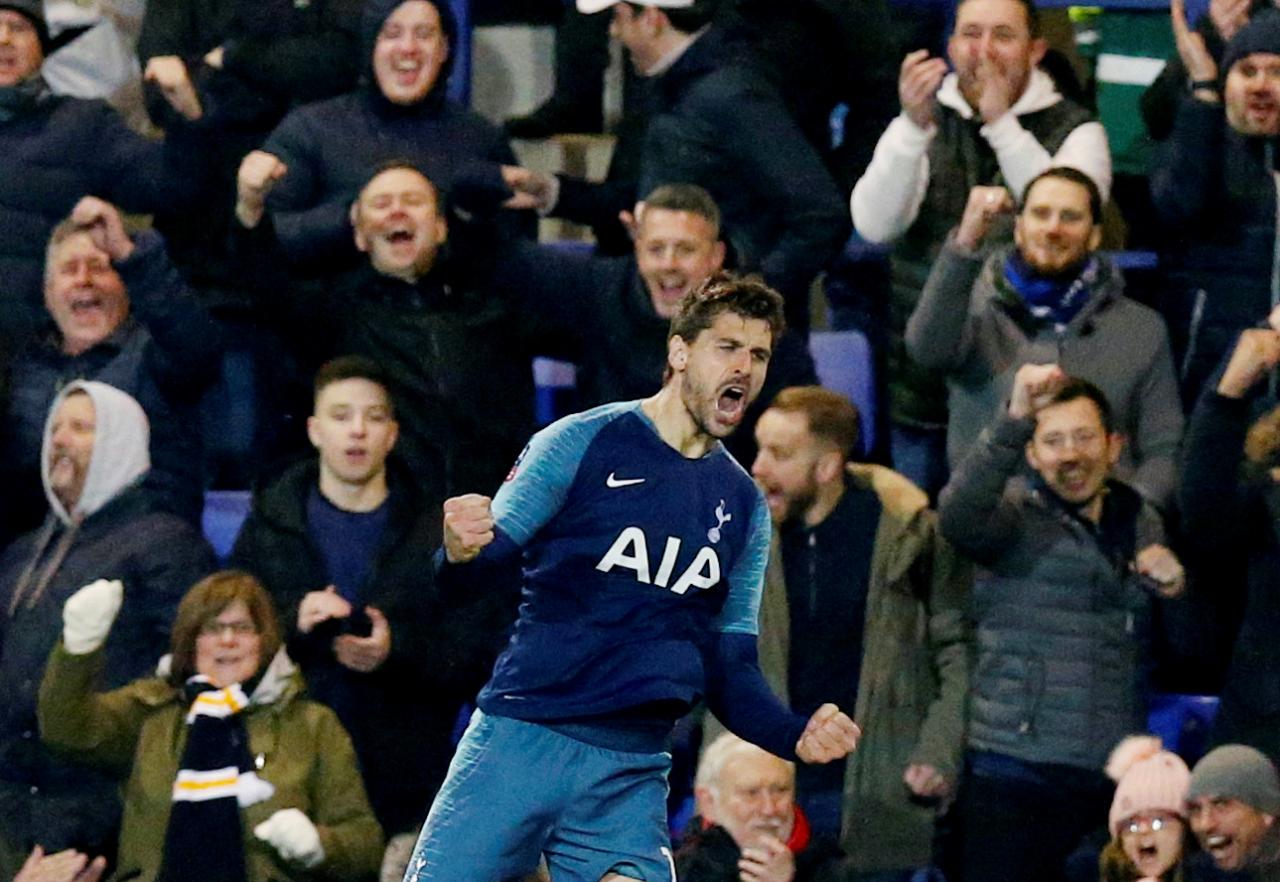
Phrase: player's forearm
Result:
[740,698]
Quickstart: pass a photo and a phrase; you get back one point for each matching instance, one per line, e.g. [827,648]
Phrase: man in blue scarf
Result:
[1050,298]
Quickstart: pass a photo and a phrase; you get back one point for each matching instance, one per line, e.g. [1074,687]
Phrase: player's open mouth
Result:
[731,403]
[400,237]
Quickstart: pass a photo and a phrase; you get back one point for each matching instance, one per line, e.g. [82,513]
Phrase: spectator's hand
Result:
[1273,320]
[291,833]
[531,189]
[926,782]
[1161,569]
[1256,354]
[997,90]
[320,606]
[918,82]
[213,57]
[258,173]
[769,860]
[468,526]
[87,615]
[830,735]
[1034,386]
[105,227]
[980,212]
[65,866]
[1191,49]
[1229,16]
[169,72]
[631,220]
[365,654]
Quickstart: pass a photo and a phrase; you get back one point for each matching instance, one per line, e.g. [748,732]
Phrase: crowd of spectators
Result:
[1076,486]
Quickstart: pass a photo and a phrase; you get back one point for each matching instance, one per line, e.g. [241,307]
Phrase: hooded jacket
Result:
[970,325]
[111,532]
[164,354]
[139,732]
[333,147]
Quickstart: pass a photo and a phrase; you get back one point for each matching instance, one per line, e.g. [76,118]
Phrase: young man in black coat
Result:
[343,542]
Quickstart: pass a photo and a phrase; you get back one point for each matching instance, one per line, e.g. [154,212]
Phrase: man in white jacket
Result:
[995,119]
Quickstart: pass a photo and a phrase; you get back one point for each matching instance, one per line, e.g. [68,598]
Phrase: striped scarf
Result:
[217,778]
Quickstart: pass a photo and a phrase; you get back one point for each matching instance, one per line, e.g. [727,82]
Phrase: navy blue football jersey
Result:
[634,559]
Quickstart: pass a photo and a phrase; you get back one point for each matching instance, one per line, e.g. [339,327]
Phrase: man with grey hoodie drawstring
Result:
[100,525]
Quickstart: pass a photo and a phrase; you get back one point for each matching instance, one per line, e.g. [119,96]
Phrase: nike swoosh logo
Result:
[611,481]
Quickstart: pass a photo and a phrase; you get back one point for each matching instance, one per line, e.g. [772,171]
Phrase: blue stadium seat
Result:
[1183,722]
[224,512]
[554,383]
[460,79]
[844,363]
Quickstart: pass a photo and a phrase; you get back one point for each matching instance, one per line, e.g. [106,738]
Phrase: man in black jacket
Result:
[343,543]
[457,357]
[712,120]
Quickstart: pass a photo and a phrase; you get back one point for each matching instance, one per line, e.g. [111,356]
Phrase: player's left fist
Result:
[830,735]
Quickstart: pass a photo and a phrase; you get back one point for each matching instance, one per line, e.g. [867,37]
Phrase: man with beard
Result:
[995,120]
[1049,297]
[644,545]
[1070,565]
[1215,193]
[1232,806]
[101,525]
[863,606]
[117,311]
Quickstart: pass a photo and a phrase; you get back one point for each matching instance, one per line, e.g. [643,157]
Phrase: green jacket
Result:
[140,730]
[915,674]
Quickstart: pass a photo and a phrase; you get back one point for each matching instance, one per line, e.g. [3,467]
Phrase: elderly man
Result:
[101,525]
[326,151]
[864,605]
[1071,564]
[1215,193]
[1050,297]
[343,543]
[748,826]
[118,313]
[996,119]
[1232,806]
[56,150]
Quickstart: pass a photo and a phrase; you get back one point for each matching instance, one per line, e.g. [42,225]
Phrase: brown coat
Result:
[140,729]
[915,674]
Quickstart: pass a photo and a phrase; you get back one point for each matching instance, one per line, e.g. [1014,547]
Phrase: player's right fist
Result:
[468,526]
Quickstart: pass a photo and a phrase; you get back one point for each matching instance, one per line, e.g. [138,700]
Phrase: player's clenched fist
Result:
[468,526]
[829,736]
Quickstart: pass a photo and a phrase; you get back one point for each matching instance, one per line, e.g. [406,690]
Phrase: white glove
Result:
[291,833]
[87,615]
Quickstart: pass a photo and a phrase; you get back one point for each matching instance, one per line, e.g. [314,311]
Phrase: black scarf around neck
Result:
[205,837]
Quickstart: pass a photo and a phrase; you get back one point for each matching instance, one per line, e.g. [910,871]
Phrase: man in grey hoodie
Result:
[100,525]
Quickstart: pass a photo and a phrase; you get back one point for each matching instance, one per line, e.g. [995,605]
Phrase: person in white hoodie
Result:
[100,525]
[995,119]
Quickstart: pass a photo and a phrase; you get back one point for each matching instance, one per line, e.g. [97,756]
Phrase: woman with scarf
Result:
[232,775]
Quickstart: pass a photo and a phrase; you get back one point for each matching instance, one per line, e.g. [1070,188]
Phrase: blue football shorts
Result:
[517,790]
